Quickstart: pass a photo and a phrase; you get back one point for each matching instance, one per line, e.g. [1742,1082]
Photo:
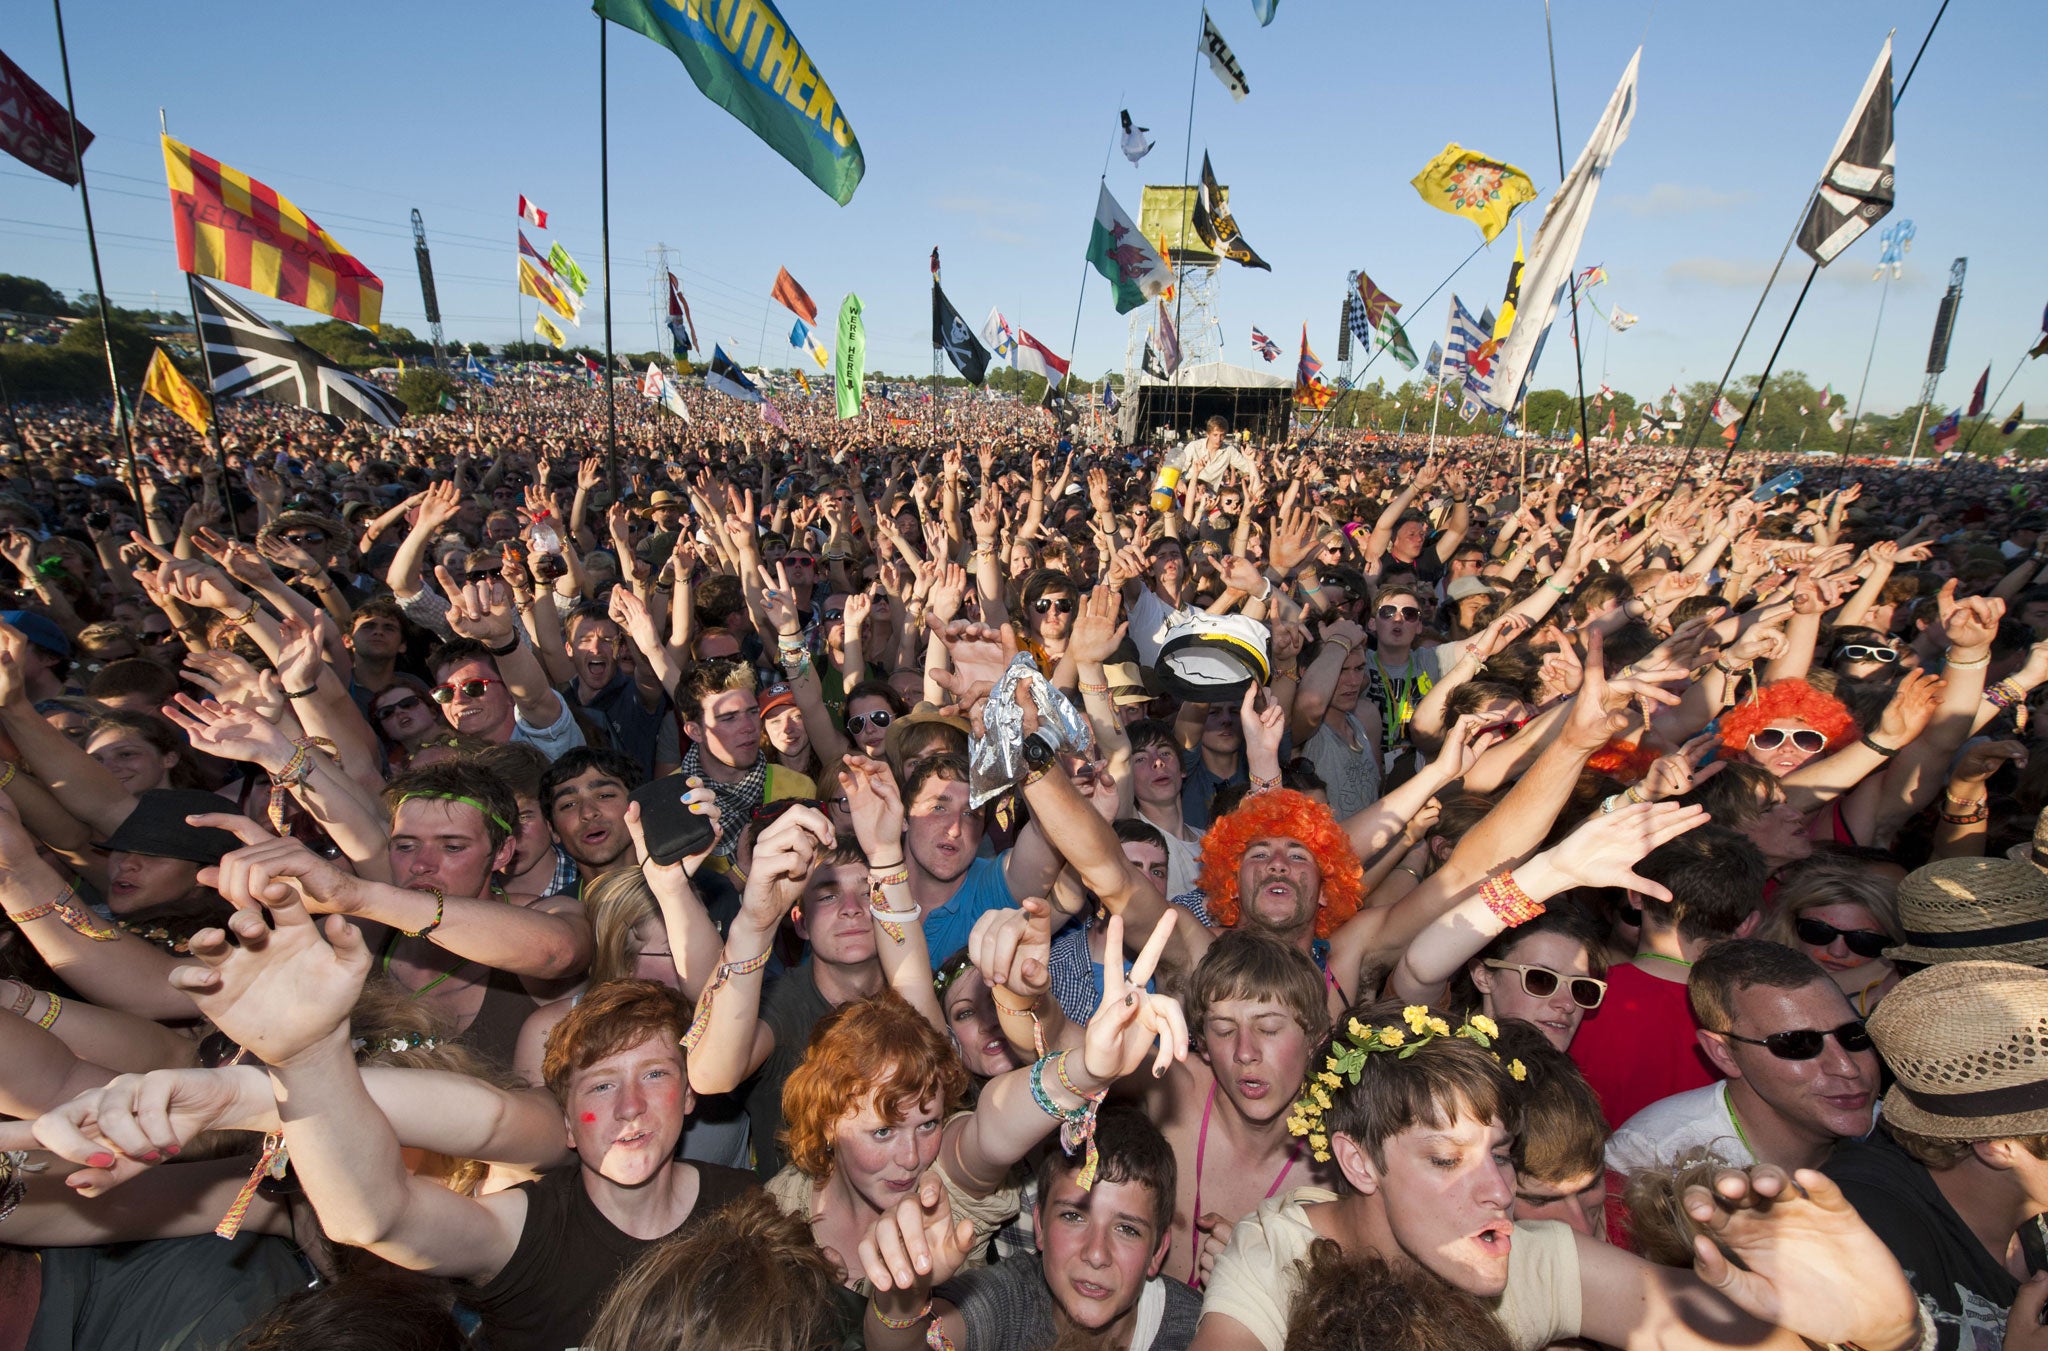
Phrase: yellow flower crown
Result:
[1350,1047]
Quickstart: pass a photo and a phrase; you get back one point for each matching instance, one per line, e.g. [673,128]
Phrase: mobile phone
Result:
[2034,1243]
[673,831]
[98,520]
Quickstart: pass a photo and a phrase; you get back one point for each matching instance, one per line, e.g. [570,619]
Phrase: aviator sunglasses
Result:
[1802,738]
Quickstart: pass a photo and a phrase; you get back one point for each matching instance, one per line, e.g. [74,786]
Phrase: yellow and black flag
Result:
[168,386]
[1212,221]
[1506,320]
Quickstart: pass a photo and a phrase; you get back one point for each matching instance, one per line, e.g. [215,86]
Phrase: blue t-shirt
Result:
[982,889]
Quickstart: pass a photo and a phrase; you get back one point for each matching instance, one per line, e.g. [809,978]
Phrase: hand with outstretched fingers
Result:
[1012,948]
[1676,773]
[876,805]
[915,1246]
[1129,1022]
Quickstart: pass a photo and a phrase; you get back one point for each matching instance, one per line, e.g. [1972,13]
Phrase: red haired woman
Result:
[1808,741]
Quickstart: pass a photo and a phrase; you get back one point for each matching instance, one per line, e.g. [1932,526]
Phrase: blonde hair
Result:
[1823,880]
[616,903]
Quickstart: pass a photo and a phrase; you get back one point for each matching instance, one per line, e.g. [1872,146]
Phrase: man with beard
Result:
[1419,1119]
[633,706]
[585,793]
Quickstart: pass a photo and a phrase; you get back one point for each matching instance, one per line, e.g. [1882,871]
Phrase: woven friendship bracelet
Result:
[726,971]
[270,1163]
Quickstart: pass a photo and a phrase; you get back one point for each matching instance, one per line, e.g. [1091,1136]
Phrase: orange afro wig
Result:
[1623,761]
[1282,812]
[1786,699]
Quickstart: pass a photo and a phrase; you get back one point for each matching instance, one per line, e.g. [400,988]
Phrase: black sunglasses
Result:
[878,720]
[405,705]
[481,575]
[1818,933]
[1864,652]
[305,539]
[1540,982]
[1399,612]
[1807,1042]
[1047,604]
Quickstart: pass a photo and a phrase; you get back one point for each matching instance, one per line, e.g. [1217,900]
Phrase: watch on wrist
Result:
[1039,750]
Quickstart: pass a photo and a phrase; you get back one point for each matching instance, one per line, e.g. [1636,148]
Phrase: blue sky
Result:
[985,128]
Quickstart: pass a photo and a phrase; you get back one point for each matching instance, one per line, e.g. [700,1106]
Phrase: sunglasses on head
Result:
[878,720]
[1047,604]
[473,688]
[1806,1042]
[405,705]
[1802,739]
[1818,933]
[1399,612]
[1863,652]
[1540,982]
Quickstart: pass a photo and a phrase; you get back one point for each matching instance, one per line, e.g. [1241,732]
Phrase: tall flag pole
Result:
[604,208]
[92,245]
[1578,354]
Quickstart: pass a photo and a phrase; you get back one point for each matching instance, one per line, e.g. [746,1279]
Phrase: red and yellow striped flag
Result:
[232,228]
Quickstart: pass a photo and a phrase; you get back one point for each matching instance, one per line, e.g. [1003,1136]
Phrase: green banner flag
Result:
[566,270]
[743,57]
[850,361]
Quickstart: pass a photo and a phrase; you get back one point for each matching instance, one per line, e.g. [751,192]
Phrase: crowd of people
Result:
[938,880]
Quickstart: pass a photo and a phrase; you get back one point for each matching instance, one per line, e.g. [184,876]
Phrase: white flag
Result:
[1555,252]
[1620,319]
[1221,61]
[997,336]
[1837,419]
[1136,144]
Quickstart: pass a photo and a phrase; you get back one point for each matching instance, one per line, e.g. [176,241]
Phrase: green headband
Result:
[489,815]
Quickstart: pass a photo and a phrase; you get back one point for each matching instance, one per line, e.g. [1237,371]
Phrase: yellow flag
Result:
[533,283]
[549,331]
[1467,183]
[168,386]
[805,383]
[1506,319]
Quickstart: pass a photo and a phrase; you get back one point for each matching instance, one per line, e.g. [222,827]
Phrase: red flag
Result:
[34,128]
[532,214]
[681,326]
[1983,392]
[590,369]
[792,296]
[1729,435]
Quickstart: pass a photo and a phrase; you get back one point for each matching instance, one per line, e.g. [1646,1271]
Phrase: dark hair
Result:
[377,607]
[1137,830]
[132,675]
[460,652]
[1738,964]
[1716,879]
[1132,1149]
[1429,1086]
[1359,1302]
[1246,964]
[456,781]
[711,678]
[371,1308]
[521,766]
[1564,1134]
[1734,797]
[1146,733]
[582,759]
[950,767]
[878,689]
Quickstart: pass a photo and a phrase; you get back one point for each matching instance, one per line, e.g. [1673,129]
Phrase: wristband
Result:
[294,695]
[440,912]
[508,649]
[51,1014]
[1509,903]
[726,971]
[1971,665]
[1886,751]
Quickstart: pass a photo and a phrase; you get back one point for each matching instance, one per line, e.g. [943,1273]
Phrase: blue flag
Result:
[1265,9]
[479,372]
[727,378]
[798,336]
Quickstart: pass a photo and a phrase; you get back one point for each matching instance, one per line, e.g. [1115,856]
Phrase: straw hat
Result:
[1968,1042]
[2036,850]
[1974,909]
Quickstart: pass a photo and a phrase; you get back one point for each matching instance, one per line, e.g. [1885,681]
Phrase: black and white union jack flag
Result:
[253,358]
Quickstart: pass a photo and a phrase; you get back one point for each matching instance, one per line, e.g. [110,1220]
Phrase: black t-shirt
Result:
[791,1008]
[1965,1289]
[569,1254]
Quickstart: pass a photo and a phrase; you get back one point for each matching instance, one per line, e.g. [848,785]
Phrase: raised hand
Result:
[779,600]
[876,805]
[1912,706]
[480,610]
[1265,725]
[1604,850]
[1469,738]
[120,1129]
[1981,759]
[227,677]
[783,858]
[1129,1022]
[1012,948]
[1678,772]
[916,1245]
[979,654]
[1970,622]
[230,731]
[1096,633]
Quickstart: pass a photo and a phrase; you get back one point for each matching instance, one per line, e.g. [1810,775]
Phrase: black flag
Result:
[1213,223]
[950,331]
[1856,190]
[252,358]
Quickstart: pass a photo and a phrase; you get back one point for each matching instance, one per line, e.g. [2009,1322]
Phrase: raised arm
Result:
[483,611]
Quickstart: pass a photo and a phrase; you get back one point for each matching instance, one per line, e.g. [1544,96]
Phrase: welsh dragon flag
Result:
[1120,253]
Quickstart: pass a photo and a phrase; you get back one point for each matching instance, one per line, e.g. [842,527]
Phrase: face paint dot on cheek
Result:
[589,1118]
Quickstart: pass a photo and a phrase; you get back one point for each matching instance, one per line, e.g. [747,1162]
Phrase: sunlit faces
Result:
[626,1112]
[730,729]
[1829,1095]
[594,644]
[1503,993]
[1149,859]
[138,765]
[1098,1247]
[1259,1053]
[588,813]
[1447,1194]
[970,1009]
[943,832]
[1279,885]
[1052,614]
[532,837]
[833,915]
[439,843]
[1580,1202]
[652,959]
[1222,732]
[139,883]
[1350,682]
[376,637]
[867,722]
[717,645]
[1156,772]
[479,703]
[784,728]
[1783,745]
[1397,619]
[881,1158]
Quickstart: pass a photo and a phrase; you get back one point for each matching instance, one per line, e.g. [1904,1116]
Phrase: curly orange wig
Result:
[880,1048]
[1623,761]
[1792,698]
[1283,813]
